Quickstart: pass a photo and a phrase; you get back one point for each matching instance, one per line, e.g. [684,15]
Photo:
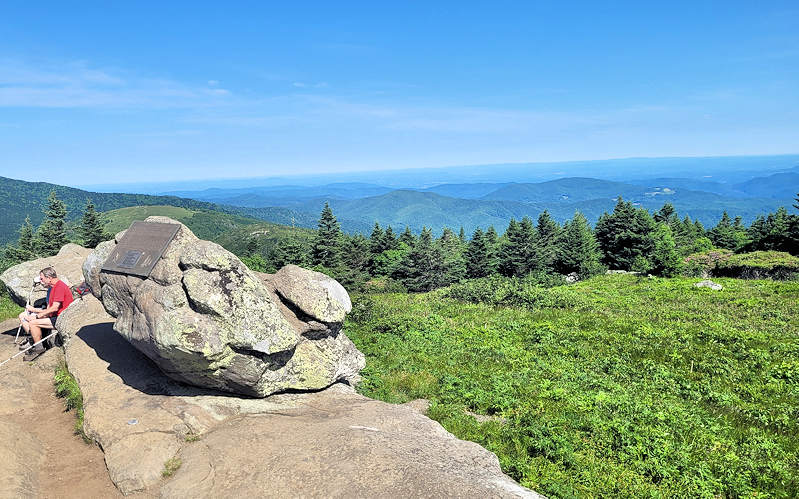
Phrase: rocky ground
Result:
[42,456]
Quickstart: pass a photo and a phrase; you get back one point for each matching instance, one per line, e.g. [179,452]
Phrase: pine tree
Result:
[462,235]
[52,234]
[91,228]
[326,249]
[577,249]
[547,234]
[665,214]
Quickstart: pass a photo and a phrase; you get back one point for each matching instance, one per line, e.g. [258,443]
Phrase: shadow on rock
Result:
[134,368]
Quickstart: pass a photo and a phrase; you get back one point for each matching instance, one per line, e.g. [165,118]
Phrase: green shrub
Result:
[8,309]
[759,265]
[704,263]
[171,466]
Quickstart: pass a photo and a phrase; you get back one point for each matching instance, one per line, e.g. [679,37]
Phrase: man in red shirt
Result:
[36,319]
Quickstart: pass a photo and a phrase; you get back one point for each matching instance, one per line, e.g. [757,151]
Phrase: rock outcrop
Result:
[207,320]
[67,263]
[707,283]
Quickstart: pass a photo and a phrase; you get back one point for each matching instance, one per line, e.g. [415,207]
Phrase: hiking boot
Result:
[25,344]
[33,353]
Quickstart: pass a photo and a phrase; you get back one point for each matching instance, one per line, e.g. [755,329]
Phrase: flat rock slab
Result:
[331,443]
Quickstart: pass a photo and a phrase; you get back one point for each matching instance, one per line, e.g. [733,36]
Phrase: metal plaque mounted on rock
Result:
[140,248]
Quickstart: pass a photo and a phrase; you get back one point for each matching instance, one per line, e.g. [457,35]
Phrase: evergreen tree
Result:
[290,251]
[723,234]
[453,265]
[517,256]
[625,236]
[326,250]
[477,256]
[420,270]
[665,259]
[26,241]
[91,228]
[665,214]
[577,249]
[52,234]
[389,239]
[408,238]
[462,235]
[547,234]
[492,245]
[376,240]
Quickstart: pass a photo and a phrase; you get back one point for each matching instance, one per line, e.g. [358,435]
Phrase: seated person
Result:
[34,320]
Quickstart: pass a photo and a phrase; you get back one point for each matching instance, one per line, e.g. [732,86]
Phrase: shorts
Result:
[53,319]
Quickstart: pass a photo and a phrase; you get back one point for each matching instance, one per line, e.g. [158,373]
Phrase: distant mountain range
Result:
[746,186]
[483,204]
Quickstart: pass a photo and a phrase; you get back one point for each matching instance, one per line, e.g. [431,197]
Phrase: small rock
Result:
[572,278]
[707,283]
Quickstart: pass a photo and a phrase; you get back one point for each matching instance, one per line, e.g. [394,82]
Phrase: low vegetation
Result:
[66,387]
[616,386]
[8,309]
[171,466]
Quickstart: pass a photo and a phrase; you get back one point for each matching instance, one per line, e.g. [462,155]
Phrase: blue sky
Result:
[170,90]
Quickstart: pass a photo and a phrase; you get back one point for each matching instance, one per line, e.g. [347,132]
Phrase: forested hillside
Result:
[21,199]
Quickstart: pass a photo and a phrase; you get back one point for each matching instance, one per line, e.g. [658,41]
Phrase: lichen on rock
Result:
[205,319]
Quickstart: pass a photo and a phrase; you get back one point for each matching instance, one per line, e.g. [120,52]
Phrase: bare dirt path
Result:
[70,467]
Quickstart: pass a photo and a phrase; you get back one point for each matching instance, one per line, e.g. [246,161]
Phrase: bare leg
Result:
[36,327]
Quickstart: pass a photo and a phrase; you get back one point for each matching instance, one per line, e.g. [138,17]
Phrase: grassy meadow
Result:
[617,386]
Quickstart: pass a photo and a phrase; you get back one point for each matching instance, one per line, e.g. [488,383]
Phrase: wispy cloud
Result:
[78,84]
[300,84]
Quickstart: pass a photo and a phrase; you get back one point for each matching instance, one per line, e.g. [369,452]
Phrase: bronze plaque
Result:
[140,248]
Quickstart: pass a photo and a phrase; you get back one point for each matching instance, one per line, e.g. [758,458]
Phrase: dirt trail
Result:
[72,468]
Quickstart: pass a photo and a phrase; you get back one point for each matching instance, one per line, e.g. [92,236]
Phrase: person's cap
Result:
[37,279]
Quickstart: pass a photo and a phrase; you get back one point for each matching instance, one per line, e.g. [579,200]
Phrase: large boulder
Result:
[205,319]
[67,263]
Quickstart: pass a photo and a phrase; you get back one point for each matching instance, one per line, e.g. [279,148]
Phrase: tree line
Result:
[629,238]
[51,235]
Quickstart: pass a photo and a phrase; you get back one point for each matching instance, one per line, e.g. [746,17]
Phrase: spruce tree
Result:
[665,259]
[326,249]
[420,270]
[624,236]
[477,256]
[376,240]
[408,238]
[578,250]
[453,265]
[290,250]
[547,234]
[723,234]
[492,245]
[52,234]
[91,228]
[26,242]
[389,239]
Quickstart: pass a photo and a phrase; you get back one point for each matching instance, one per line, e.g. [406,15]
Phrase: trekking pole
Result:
[55,332]
[35,280]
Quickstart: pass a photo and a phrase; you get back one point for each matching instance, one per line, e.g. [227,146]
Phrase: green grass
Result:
[8,309]
[617,386]
[66,387]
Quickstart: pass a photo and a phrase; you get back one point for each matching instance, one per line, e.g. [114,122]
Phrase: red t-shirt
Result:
[60,292]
